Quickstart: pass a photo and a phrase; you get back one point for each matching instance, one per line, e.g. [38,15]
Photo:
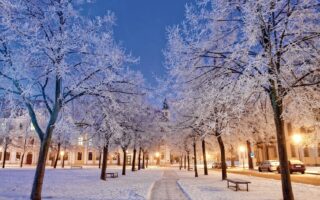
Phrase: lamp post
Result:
[62,155]
[297,139]
[242,150]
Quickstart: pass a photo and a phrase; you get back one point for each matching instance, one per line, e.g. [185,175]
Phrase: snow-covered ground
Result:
[213,188]
[80,184]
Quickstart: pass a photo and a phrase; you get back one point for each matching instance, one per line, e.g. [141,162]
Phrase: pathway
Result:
[167,188]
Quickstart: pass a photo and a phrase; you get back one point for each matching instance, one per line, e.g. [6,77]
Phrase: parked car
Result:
[268,165]
[295,166]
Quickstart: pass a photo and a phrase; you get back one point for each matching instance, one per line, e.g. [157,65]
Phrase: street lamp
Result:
[157,154]
[297,139]
[62,155]
[242,150]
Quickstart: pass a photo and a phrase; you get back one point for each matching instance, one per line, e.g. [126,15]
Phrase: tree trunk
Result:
[124,164]
[41,166]
[195,159]
[5,155]
[223,158]
[134,160]
[62,166]
[57,157]
[250,162]
[282,148]
[180,162]
[188,159]
[118,160]
[204,157]
[143,157]
[21,162]
[147,160]
[139,159]
[185,162]
[100,159]
[104,162]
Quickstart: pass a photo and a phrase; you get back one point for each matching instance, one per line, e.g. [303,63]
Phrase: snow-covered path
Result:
[167,188]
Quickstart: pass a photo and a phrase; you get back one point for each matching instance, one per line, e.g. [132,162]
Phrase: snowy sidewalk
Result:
[211,187]
[167,188]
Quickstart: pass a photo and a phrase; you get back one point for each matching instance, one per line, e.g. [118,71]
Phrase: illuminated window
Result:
[80,141]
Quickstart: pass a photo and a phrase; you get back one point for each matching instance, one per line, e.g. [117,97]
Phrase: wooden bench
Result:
[76,167]
[238,182]
[112,174]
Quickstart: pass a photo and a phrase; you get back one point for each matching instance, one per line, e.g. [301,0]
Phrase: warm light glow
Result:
[62,153]
[242,149]
[0,148]
[157,154]
[208,156]
[297,138]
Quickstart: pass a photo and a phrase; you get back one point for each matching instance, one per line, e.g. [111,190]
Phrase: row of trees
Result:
[242,69]
[70,76]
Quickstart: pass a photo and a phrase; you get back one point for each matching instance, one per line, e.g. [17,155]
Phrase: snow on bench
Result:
[112,174]
[237,182]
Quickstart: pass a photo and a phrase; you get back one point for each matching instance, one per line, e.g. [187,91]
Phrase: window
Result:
[79,156]
[306,151]
[318,151]
[293,150]
[98,157]
[66,156]
[18,156]
[0,156]
[90,156]
[80,141]
[7,156]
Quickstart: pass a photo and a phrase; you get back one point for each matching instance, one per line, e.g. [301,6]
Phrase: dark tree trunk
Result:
[124,164]
[41,165]
[143,158]
[57,157]
[250,162]
[134,160]
[139,159]
[185,161]
[180,162]
[188,159]
[100,159]
[104,162]
[204,157]
[21,162]
[223,158]
[63,161]
[147,160]
[118,160]
[5,155]
[282,149]
[195,159]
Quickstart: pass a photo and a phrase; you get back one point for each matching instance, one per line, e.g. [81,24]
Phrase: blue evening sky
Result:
[141,28]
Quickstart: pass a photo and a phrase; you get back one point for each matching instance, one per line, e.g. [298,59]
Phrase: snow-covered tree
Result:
[267,49]
[51,55]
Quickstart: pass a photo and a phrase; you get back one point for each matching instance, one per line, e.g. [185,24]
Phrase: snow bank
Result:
[80,184]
